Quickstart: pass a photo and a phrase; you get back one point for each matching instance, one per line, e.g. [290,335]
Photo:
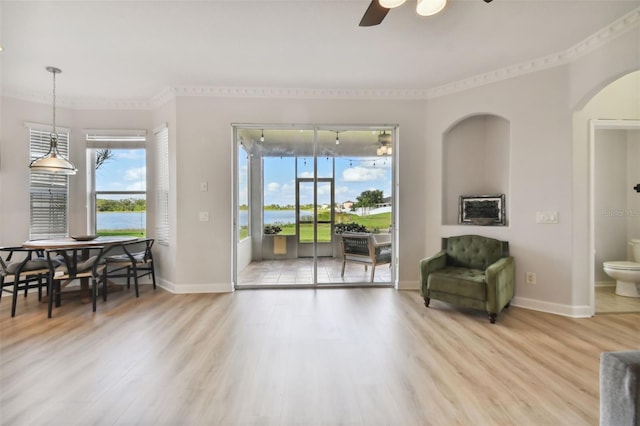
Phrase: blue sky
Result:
[125,171]
[353,176]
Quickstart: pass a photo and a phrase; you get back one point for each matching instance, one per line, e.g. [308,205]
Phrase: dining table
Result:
[87,241]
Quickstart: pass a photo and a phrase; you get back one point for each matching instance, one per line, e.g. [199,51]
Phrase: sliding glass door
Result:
[297,190]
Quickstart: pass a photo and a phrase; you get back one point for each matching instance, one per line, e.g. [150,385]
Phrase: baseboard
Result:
[581,311]
[408,285]
[195,288]
[605,284]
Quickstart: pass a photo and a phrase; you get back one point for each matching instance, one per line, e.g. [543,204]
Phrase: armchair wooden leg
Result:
[492,318]
[426,301]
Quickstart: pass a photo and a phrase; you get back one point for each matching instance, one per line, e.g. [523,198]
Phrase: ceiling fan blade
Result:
[374,14]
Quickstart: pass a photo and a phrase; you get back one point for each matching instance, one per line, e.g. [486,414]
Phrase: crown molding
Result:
[300,93]
[78,104]
[626,23]
[617,28]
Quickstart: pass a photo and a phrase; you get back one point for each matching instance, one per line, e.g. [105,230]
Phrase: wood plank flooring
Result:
[360,356]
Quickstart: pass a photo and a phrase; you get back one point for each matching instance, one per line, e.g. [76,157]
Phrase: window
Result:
[49,193]
[162,185]
[118,204]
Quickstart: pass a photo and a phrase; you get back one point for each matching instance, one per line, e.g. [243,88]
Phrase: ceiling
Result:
[132,50]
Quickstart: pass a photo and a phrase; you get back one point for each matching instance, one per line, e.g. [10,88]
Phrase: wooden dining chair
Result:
[77,263]
[133,259]
[21,270]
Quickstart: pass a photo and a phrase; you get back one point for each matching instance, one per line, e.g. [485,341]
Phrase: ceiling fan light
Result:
[390,4]
[430,7]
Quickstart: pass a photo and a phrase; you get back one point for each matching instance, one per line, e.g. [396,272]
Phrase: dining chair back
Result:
[133,259]
[77,263]
[21,270]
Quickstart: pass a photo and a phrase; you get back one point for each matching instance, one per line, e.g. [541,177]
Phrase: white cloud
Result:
[362,174]
[136,174]
[128,154]
[273,187]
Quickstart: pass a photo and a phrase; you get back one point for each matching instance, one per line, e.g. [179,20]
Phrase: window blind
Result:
[49,193]
[162,185]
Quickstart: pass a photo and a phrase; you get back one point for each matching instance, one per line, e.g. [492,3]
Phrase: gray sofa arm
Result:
[500,277]
[431,264]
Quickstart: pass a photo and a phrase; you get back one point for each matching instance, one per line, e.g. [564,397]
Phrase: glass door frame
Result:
[394,226]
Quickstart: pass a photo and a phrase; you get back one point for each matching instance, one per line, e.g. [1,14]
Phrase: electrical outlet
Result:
[530,277]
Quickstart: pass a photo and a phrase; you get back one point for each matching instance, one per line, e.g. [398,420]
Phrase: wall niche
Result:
[476,161]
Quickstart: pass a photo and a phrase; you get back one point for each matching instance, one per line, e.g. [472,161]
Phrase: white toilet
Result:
[626,274]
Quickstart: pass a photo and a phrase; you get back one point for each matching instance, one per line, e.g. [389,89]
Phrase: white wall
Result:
[204,140]
[536,107]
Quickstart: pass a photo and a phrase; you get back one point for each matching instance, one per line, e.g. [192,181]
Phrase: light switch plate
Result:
[204,186]
[204,216]
[547,217]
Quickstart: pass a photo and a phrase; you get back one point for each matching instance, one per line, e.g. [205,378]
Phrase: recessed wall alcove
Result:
[476,161]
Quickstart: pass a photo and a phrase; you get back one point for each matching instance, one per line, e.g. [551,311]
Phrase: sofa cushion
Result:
[461,281]
[473,251]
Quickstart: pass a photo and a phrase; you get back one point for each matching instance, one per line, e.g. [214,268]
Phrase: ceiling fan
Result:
[378,9]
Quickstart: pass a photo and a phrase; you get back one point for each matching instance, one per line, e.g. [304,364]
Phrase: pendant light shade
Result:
[430,7]
[53,161]
[390,4]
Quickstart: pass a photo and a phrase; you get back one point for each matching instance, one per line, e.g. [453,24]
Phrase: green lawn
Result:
[141,233]
[374,223]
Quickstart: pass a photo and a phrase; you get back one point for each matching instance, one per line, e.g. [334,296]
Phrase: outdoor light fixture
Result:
[384,139]
[53,161]
[337,139]
[262,136]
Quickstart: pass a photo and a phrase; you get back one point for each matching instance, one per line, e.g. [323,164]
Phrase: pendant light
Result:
[53,161]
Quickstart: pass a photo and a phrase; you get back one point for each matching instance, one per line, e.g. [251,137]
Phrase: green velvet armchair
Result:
[471,271]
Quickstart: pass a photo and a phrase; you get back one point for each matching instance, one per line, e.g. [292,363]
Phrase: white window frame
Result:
[108,139]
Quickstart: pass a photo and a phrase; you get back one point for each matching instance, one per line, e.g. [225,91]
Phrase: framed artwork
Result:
[483,210]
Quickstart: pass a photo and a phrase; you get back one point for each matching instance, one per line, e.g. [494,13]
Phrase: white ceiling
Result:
[117,50]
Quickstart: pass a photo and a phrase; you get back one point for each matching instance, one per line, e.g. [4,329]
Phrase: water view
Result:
[121,220]
[273,217]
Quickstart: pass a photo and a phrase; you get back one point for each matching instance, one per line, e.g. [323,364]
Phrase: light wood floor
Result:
[360,356]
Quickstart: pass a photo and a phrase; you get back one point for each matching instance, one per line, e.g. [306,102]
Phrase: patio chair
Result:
[364,249]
